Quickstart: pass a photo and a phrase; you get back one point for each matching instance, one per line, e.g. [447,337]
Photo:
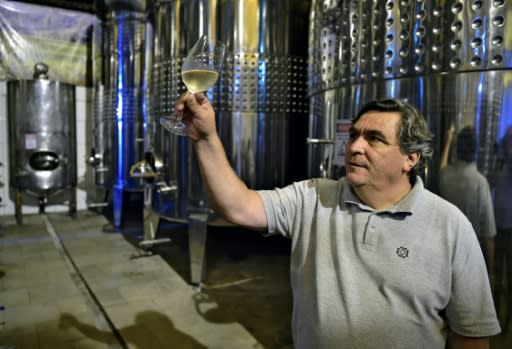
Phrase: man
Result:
[377,260]
[463,185]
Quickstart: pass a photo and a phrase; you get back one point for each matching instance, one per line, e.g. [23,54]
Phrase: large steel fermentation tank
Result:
[42,139]
[450,58]
[119,120]
[260,102]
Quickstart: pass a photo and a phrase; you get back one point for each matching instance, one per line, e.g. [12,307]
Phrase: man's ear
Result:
[411,161]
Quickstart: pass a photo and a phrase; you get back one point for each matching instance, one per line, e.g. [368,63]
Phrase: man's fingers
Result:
[182,101]
[189,102]
[200,98]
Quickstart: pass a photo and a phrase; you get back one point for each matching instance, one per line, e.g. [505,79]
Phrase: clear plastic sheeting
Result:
[62,39]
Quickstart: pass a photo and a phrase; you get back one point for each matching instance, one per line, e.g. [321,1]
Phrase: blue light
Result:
[119,108]
[262,85]
[421,93]
[505,121]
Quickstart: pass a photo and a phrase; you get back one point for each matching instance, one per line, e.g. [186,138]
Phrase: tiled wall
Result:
[60,201]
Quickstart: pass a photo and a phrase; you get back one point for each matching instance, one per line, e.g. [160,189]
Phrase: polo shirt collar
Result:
[404,206]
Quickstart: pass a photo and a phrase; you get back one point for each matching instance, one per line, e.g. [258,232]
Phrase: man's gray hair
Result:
[413,134]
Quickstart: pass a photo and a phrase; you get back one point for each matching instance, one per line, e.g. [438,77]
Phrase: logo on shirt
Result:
[402,252]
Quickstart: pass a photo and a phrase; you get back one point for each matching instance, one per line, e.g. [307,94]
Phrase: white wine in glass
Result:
[199,72]
[199,80]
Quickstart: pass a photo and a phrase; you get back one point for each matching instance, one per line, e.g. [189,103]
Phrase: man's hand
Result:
[198,115]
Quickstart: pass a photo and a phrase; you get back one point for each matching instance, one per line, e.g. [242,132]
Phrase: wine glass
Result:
[199,72]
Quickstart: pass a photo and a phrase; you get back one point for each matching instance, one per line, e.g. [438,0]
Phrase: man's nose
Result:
[357,144]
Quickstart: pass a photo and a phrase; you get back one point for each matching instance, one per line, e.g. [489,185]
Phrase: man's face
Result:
[373,154]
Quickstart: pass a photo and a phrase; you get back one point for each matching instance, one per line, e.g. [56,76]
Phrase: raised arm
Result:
[456,341]
[229,195]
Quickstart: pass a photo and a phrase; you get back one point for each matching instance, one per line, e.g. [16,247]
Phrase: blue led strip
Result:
[119,108]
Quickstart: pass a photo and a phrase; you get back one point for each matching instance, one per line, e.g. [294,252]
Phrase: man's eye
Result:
[371,138]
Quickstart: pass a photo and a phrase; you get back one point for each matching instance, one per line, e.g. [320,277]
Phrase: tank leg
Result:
[42,205]
[17,214]
[151,221]
[72,201]
[197,231]
[117,203]
[104,194]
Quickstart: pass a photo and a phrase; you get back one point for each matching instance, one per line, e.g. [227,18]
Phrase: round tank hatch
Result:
[44,161]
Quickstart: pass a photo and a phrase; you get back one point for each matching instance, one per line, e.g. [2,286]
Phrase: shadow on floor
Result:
[247,277]
[150,330]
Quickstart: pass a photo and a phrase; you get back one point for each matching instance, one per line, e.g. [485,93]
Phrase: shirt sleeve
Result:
[470,311]
[281,208]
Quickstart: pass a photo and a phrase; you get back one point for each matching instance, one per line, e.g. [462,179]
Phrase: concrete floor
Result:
[75,283]
[72,283]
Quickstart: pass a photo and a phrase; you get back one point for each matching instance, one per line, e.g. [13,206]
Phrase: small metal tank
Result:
[42,138]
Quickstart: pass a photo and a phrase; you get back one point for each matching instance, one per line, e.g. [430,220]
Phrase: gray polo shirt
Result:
[389,279]
[468,189]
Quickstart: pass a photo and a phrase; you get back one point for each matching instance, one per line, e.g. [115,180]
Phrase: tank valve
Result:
[149,168]
[142,169]
[164,188]
[94,159]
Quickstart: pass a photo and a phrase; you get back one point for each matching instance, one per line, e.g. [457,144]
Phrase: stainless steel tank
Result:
[452,59]
[42,138]
[177,25]
[260,101]
[120,119]
[262,111]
